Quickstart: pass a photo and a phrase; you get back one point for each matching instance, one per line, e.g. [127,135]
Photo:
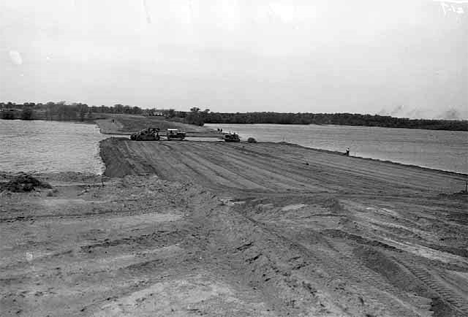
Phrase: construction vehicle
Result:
[148,134]
[175,134]
[231,137]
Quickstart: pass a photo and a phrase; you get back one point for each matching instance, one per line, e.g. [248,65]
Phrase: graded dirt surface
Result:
[220,229]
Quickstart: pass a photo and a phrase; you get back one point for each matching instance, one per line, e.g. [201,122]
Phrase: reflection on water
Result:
[49,146]
[445,150]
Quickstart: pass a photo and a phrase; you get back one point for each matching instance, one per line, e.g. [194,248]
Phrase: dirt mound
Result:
[24,183]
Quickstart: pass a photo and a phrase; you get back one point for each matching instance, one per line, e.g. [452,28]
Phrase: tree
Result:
[170,113]
[194,117]
[136,110]
[27,113]
[81,108]
[118,108]
[8,114]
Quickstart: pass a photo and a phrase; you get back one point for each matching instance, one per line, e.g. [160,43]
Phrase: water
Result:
[444,150]
[49,146]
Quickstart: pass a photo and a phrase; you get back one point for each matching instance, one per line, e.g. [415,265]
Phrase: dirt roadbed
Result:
[215,229]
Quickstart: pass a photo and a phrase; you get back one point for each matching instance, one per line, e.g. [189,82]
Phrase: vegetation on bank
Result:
[82,112]
[336,119]
[60,111]
[198,117]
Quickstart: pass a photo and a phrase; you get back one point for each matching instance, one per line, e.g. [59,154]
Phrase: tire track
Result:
[372,288]
[334,175]
[248,170]
[293,172]
[380,172]
[220,173]
[165,165]
[279,173]
[451,298]
[378,281]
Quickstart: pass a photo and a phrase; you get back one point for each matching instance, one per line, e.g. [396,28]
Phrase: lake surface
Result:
[445,150]
[49,146]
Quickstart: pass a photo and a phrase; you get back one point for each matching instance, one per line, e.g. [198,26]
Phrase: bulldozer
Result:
[175,134]
[148,134]
[231,137]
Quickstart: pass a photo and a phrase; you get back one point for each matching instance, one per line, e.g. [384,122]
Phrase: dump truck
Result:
[148,134]
[231,137]
[175,134]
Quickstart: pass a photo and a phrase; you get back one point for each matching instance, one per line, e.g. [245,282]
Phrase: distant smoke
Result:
[455,113]
[451,114]
[15,57]
[417,114]
[382,112]
[403,112]
[397,112]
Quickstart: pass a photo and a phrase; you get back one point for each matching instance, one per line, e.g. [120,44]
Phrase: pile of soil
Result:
[24,183]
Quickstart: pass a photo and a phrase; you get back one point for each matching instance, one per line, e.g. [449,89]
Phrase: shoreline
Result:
[378,160]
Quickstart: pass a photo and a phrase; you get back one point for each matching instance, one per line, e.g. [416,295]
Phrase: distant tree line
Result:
[335,119]
[195,116]
[82,112]
[60,111]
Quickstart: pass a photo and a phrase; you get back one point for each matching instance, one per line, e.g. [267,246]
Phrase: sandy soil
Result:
[216,229]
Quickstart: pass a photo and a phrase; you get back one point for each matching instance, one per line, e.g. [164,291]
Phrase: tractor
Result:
[231,137]
[149,134]
[175,134]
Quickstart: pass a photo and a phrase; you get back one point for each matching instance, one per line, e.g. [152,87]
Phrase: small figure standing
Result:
[347,151]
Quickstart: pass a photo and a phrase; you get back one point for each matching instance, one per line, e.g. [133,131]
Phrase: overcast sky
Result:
[402,57]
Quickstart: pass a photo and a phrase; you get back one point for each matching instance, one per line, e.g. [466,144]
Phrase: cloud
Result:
[15,57]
